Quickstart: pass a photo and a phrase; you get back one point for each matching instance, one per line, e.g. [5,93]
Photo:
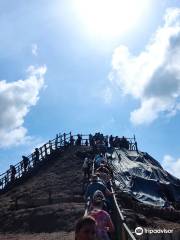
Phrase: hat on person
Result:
[98,196]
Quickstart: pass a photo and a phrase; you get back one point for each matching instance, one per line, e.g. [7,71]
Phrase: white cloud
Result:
[34,49]
[172,165]
[16,98]
[153,76]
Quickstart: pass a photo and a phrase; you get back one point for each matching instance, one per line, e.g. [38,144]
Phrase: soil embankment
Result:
[49,201]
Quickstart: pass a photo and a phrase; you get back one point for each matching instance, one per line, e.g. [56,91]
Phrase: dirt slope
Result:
[49,201]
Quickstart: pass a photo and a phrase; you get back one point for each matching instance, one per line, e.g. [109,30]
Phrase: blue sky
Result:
[87,66]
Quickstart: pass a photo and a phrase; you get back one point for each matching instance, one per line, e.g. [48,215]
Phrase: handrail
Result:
[122,219]
[7,178]
[129,231]
[93,168]
[87,207]
[124,226]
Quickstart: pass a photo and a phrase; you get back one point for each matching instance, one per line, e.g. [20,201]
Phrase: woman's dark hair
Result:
[84,221]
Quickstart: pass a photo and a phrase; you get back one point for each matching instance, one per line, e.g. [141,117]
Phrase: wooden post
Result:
[56,142]
[136,147]
[45,148]
[60,139]
[19,171]
[70,138]
[50,146]
[64,139]
[41,152]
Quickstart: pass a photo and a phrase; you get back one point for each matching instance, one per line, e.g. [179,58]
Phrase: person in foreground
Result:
[105,226]
[85,229]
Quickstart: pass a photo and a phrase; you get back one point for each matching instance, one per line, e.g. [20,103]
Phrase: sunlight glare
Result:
[110,18]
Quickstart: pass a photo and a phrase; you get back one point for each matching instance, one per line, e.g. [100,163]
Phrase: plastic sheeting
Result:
[144,178]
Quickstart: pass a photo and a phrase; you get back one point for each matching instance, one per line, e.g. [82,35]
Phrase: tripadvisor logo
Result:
[139,231]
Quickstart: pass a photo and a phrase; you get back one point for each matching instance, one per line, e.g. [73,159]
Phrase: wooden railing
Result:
[123,231]
[39,156]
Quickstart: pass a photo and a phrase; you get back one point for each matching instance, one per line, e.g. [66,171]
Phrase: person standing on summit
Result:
[25,163]
[13,173]
[36,157]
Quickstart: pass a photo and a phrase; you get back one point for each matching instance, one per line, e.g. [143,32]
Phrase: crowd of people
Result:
[98,139]
[97,223]
[111,141]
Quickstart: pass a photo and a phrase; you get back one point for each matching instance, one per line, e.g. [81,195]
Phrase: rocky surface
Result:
[51,200]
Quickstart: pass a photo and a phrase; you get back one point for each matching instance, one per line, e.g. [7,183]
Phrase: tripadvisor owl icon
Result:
[139,231]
